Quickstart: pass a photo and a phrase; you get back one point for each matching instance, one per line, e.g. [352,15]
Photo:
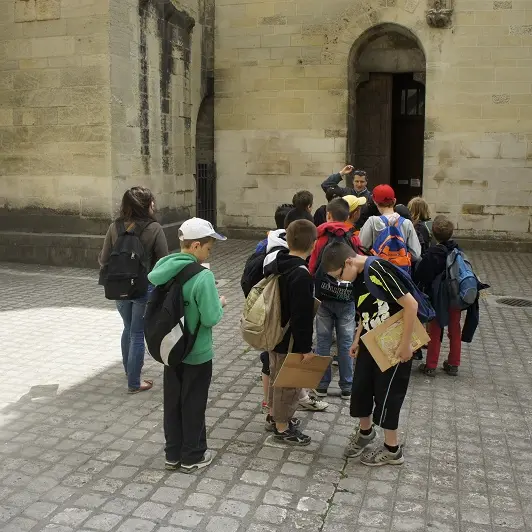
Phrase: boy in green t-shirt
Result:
[186,387]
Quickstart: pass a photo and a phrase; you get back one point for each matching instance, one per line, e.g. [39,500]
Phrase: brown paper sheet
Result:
[295,374]
[383,341]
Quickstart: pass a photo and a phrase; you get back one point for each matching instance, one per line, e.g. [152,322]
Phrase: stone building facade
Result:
[97,96]
[433,96]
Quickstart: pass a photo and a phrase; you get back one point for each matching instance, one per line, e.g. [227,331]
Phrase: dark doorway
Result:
[390,123]
[408,128]
[386,113]
[205,167]
[374,126]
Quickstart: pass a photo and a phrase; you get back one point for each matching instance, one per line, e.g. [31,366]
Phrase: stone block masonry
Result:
[283,103]
[95,97]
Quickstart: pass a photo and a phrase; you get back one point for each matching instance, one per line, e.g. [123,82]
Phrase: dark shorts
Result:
[378,393]
[265,359]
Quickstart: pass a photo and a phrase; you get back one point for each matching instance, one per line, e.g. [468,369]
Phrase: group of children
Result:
[329,259]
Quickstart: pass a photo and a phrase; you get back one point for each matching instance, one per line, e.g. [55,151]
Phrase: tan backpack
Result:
[261,320]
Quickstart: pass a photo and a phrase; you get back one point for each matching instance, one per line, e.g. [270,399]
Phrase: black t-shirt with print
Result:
[373,311]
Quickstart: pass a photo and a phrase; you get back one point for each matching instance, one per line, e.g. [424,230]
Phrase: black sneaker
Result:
[320,392]
[292,436]
[345,394]
[172,465]
[204,462]
[269,424]
[428,372]
[418,355]
[335,360]
[450,370]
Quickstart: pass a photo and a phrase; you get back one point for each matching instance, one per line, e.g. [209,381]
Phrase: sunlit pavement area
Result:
[78,453]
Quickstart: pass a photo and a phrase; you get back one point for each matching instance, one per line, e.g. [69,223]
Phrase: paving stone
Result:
[136,525]
[186,518]
[222,524]
[71,517]
[235,508]
[103,521]
[271,514]
[83,445]
[200,500]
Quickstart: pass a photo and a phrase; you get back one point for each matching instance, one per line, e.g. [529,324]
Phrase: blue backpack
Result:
[425,312]
[390,244]
[462,283]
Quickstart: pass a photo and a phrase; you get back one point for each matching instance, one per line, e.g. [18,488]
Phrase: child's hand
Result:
[223,301]
[353,352]
[346,170]
[404,353]
[306,358]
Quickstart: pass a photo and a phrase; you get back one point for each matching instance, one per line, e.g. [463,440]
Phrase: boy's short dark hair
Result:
[303,200]
[300,235]
[442,228]
[338,208]
[297,214]
[335,255]
[331,193]
[280,214]
[202,241]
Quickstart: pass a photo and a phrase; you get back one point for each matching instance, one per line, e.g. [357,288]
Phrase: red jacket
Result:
[339,228]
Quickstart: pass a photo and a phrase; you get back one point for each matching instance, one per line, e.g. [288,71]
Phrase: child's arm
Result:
[207,299]
[409,304]
[301,292]
[412,242]
[366,234]
[353,352]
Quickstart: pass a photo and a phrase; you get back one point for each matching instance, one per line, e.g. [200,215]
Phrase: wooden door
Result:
[373,128]
[408,132]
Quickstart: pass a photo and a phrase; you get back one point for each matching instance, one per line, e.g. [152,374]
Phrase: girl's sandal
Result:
[145,385]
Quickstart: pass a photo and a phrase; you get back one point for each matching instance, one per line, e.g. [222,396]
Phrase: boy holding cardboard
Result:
[377,397]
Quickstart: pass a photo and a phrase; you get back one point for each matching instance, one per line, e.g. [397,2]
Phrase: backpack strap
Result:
[144,228]
[384,220]
[189,271]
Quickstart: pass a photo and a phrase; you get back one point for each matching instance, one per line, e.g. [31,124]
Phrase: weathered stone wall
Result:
[95,97]
[282,105]
[54,115]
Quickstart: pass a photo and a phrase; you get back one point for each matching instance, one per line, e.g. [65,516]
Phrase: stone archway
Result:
[386,111]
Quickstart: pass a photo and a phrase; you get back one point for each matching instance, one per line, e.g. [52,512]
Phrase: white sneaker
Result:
[358,442]
[382,456]
[313,404]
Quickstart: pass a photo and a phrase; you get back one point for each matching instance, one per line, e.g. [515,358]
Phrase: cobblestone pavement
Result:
[78,453]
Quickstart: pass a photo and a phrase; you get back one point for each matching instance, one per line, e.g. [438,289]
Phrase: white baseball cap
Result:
[197,228]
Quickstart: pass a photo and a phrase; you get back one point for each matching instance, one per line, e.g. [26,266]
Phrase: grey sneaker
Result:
[382,456]
[204,462]
[358,442]
[313,404]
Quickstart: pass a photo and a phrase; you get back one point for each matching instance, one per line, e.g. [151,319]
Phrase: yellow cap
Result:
[354,202]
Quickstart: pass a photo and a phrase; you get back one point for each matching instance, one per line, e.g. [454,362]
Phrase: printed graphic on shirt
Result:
[374,311]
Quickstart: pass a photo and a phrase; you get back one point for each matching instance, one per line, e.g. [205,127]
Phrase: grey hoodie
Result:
[375,225]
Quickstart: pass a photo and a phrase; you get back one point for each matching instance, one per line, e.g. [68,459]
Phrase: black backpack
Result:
[253,270]
[327,288]
[168,339]
[125,276]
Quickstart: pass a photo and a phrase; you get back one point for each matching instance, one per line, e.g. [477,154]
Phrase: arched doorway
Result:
[387,108]
[205,168]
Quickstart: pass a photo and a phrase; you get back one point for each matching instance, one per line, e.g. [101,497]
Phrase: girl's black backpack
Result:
[125,276]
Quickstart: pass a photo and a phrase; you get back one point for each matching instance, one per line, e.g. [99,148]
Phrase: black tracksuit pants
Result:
[186,389]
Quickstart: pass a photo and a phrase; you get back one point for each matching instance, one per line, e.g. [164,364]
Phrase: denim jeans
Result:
[340,316]
[132,313]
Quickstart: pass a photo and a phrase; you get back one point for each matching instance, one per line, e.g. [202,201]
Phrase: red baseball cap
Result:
[383,194]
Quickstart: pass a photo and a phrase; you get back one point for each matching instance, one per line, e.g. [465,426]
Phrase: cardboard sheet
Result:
[295,374]
[383,341]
